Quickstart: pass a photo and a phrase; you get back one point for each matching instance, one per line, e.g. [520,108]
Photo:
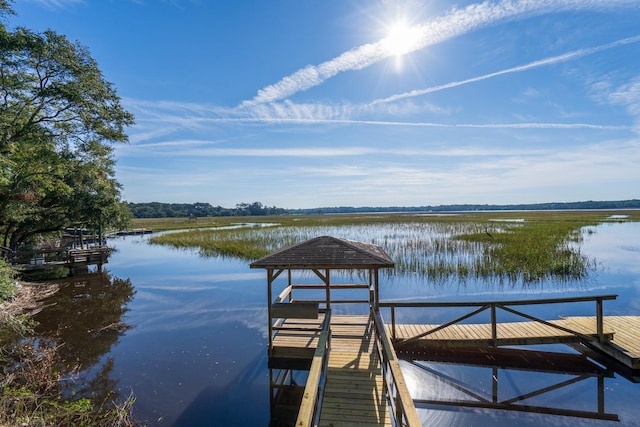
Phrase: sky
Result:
[304,104]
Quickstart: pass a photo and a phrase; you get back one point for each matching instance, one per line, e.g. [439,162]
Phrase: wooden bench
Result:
[295,310]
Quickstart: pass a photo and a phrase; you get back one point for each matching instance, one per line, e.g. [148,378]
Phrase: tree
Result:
[58,120]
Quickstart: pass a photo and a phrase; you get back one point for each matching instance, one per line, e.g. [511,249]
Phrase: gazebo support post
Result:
[328,287]
[271,277]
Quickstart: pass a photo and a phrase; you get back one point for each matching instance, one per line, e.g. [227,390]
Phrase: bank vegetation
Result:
[511,247]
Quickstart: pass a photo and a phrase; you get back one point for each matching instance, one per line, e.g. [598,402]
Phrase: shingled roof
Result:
[327,252]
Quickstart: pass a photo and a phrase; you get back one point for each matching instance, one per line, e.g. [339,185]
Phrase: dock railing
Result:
[402,409]
[506,305]
[309,413]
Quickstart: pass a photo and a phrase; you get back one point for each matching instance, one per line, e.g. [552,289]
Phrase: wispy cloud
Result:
[455,23]
[153,124]
[535,64]
[56,4]
[628,96]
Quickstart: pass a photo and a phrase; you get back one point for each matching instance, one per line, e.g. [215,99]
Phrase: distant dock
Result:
[76,260]
[133,232]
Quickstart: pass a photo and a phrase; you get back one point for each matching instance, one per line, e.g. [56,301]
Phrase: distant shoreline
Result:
[177,210]
[553,206]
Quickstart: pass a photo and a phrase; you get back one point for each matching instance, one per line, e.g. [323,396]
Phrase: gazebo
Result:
[321,255]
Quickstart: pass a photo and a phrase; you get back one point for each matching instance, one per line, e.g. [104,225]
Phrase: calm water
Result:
[187,335]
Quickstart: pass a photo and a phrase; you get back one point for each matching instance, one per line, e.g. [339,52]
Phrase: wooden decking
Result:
[510,333]
[353,392]
[625,344]
[621,333]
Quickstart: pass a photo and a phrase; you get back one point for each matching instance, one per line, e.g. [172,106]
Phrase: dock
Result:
[349,364]
[624,345]
[354,390]
[76,260]
[351,371]
[508,334]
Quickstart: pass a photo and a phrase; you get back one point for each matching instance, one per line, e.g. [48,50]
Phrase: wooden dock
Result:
[510,333]
[353,389]
[354,392]
[621,335]
[625,344]
[76,260]
[353,373]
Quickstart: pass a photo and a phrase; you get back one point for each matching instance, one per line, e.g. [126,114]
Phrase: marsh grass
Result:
[31,392]
[503,246]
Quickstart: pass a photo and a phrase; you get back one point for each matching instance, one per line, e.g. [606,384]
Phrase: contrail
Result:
[457,22]
[547,61]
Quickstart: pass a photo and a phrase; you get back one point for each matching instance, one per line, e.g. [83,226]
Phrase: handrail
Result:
[494,305]
[309,413]
[403,411]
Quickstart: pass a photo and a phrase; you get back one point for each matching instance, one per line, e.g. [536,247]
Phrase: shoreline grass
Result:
[505,246]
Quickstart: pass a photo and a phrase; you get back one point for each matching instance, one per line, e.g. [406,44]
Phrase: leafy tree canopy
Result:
[58,119]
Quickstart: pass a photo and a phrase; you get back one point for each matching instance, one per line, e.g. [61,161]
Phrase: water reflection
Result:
[446,383]
[83,321]
[196,352]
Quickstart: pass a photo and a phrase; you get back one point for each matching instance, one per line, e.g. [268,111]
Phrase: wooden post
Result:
[393,322]
[599,320]
[328,287]
[495,384]
[601,394]
[377,295]
[494,326]
[270,279]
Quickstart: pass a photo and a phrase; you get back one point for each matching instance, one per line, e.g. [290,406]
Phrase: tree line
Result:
[590,204]
[199,209]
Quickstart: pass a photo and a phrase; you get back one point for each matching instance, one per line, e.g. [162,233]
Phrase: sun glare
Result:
[402,39]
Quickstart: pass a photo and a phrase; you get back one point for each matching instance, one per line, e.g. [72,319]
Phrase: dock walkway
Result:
[354,390]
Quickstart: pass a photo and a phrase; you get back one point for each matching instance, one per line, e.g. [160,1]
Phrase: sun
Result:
[401,39]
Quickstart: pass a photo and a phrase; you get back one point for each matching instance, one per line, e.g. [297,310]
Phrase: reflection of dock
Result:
[553,372]
[353,371]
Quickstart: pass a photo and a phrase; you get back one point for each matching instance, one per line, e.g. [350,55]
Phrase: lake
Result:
[188,336]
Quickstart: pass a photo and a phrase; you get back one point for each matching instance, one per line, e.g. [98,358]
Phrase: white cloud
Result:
[628,95]
[535,64]
[457,22]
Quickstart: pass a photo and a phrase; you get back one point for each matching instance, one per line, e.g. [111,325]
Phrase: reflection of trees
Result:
[83,320]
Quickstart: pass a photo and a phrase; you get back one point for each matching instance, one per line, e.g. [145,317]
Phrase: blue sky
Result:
[303,104]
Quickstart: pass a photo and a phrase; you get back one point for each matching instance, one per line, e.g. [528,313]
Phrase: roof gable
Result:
[327,252]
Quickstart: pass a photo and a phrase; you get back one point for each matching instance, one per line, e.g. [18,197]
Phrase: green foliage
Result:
[7,281]
[58,117]
[199,210]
